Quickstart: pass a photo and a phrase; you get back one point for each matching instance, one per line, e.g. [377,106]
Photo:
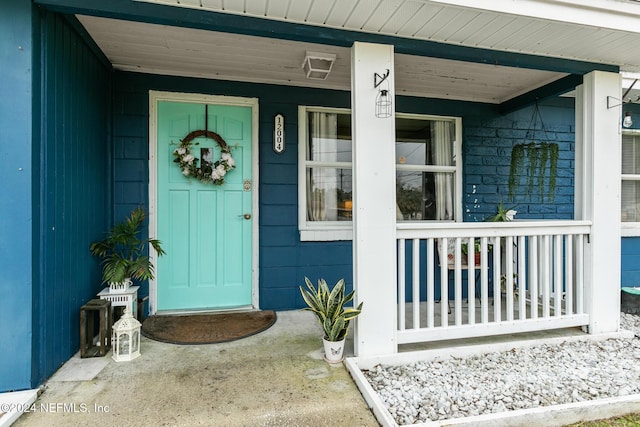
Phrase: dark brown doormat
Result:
[206,328]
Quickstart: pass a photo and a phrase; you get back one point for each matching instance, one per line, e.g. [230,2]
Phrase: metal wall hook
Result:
[378,79]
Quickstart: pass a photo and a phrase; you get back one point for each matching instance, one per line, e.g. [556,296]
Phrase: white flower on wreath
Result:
[226,158]
[189,168]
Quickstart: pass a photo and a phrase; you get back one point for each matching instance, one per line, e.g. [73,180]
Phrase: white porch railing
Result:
[530,277]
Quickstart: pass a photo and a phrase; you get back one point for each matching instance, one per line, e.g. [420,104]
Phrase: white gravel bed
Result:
[517,379]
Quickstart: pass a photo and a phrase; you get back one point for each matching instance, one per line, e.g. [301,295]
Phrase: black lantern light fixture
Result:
[384,107]
[613,102]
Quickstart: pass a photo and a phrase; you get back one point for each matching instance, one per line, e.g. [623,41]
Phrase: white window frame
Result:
[629,229]
[343,230]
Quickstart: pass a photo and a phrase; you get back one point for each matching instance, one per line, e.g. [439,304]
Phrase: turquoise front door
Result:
[205,228]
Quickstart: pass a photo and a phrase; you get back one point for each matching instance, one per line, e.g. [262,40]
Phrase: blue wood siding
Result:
[73,198]
[16,210]
[284,259]
[630,262]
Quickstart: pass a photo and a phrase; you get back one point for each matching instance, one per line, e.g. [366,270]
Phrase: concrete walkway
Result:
[275,378]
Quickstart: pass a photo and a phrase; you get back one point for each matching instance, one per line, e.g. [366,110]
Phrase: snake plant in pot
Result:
[122,253]
[329,307]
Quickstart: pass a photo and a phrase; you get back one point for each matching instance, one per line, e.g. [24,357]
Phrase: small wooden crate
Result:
[102,310]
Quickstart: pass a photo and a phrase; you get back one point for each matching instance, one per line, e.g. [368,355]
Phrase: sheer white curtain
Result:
[442,138]
[322,196]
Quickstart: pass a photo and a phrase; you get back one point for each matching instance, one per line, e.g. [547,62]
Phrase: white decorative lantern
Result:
[126,338]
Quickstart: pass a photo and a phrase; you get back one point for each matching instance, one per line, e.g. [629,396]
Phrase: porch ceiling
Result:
[161,49]
[600,33]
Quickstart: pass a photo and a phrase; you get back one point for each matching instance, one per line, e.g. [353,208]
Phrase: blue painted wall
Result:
[16,211]
[487,149]
[284,259]
[74,197]
[55,116]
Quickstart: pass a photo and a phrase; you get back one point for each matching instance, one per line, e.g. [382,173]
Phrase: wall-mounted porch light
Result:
[613,102]
[318,65]
[384,107]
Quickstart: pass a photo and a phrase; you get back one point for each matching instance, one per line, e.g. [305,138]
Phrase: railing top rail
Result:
[409,230]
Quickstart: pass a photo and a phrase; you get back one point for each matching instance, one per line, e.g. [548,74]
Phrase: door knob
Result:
[247,216]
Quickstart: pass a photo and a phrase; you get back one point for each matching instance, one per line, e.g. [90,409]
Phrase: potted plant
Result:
[122,253]
[476,251]
[329,307]
[503,215]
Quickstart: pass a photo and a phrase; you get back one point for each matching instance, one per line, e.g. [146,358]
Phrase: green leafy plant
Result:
[501,215]
[329,307]
[122,251]
[534,156]
[476,247]
[530,162]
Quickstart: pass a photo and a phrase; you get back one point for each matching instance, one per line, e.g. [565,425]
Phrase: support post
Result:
[597,188]
[374,215]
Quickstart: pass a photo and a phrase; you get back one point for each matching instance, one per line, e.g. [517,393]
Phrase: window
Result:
[428,172]
[630,209]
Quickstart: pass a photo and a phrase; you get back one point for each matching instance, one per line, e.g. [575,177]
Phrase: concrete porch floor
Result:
[275,378]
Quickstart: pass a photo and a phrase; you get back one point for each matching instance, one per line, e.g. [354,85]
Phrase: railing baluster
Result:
[430,284]
[457,290]
[444,282]
[568,275]
[401,284]
[545,276]
[534,269]
[497,292]
[580,274]
[471,281]
[508,247]
[522,278]
[484,289]
[415,291]
[557,274]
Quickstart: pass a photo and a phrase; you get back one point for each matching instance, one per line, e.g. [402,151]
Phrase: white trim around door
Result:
[154,98]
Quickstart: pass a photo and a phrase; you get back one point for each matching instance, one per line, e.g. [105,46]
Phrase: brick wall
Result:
[487,147]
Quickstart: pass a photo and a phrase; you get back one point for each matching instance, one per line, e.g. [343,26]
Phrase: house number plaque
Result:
[278,134]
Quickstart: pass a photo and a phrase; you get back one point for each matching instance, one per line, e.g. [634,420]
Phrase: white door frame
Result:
[154,98]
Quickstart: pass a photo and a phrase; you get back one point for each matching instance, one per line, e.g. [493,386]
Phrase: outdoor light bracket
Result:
[378,79]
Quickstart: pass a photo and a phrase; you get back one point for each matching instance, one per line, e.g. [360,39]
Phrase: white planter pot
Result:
[120,287]
[333,351]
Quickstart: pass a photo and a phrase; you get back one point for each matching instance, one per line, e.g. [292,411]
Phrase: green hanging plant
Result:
[543,149]
[553,171]
[529,162]
[517,161]
[532,157]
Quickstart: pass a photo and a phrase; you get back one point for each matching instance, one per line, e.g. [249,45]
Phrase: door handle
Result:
[246,216]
